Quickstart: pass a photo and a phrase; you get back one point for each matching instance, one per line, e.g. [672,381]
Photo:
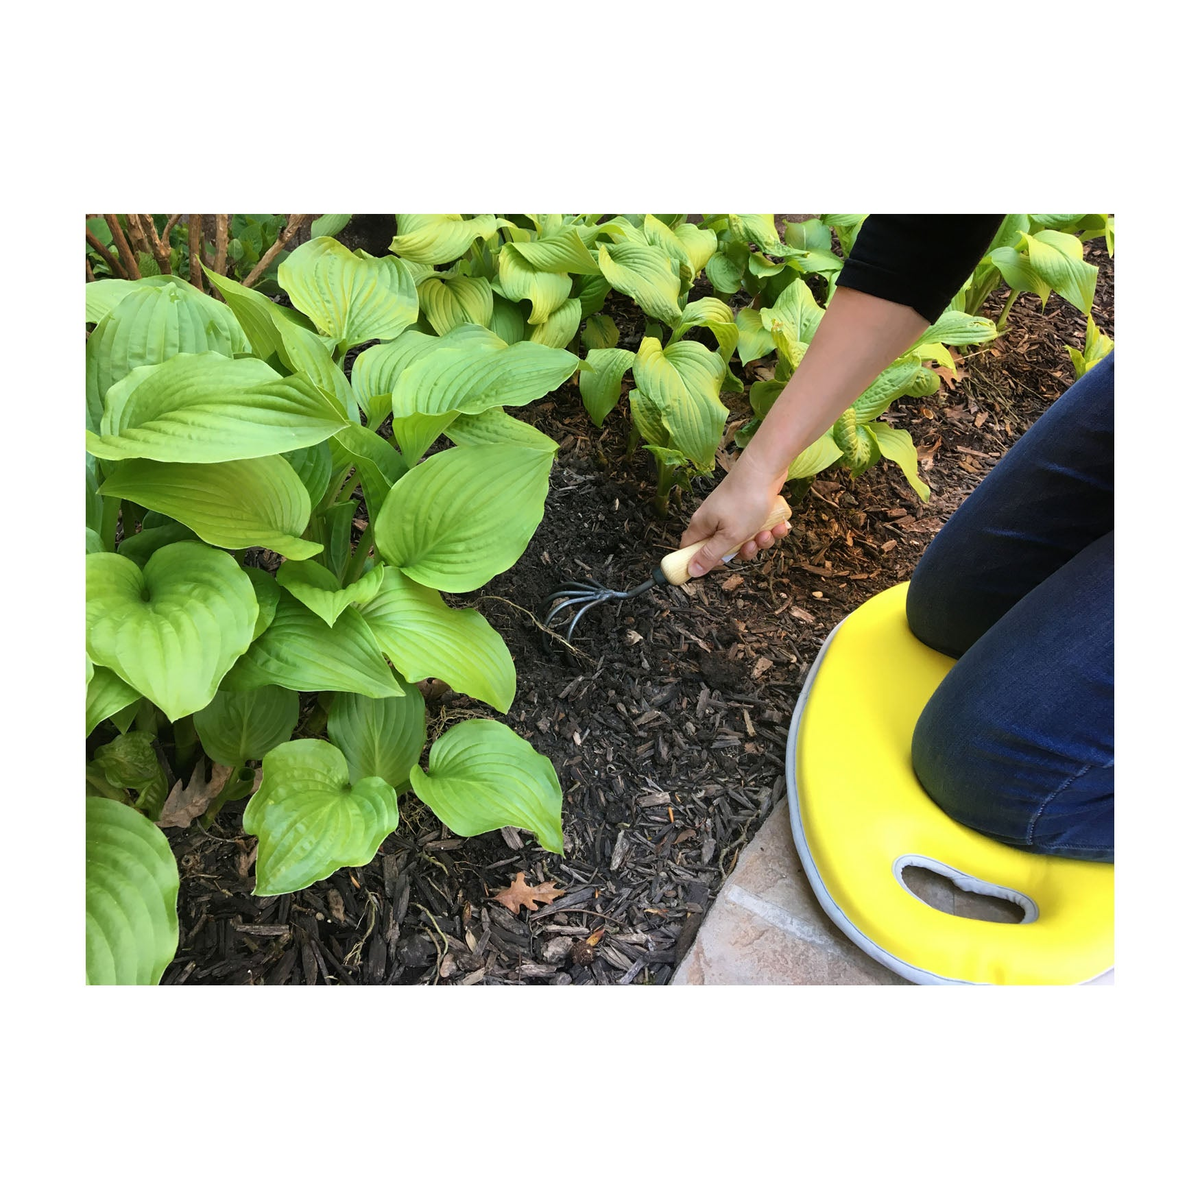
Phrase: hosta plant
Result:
[266,570]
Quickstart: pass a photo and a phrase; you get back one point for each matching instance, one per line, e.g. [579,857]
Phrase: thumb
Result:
[711,553]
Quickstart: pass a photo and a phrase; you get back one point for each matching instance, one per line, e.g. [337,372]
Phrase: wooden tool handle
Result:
[675,565]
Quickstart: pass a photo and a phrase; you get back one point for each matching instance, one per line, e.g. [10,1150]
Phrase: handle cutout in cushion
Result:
[965,883]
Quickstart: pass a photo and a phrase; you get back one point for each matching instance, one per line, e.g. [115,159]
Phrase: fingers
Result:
[709,555]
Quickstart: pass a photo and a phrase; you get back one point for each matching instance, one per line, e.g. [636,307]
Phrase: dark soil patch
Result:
[668,736]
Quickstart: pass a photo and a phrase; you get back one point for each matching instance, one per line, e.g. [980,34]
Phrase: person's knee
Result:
[932,615]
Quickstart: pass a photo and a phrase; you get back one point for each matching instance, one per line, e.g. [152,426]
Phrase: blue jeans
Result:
[1017,741]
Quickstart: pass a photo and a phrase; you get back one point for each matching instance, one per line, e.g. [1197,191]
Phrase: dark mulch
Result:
[668,736]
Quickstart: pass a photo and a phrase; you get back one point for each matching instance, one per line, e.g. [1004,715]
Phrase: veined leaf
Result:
[753,340]
[758,228]
[698,244]
[763,395]
[647,274]
[253,502]
[426,639]
[563,251]
[380,738]
[377,465]
[107,693]
[559,327]
[710,313]
[494,427]
[174,629]
[958,329]
[600,333]
[438,237]
[306,354]
[205,408]
[508,321]
[103,295]
[416,432]
[140,546]
[807,235]
[130,761]
[600,376]
[131,890]
[1057,258]
[647,420]
[591,291]
[240,727]
[266,592]
[897,444]
[824,452]
[464,515]
[482,776]
[299,651]
[353,298]
[889,384]
[314,467]
[726,266]
[310,821]
[327,226]
[455,300]
[519,280]
[317,588]
[793,320]
[260,317]
[684,381]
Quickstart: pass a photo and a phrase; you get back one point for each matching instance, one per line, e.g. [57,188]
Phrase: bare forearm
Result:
[858,337]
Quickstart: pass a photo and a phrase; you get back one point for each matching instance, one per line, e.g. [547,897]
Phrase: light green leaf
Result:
[793,320]
[846,226]
[647,274]
[259,316]
[897,445]
[807,235]
[241,727]
[957,329]
[140,546]
[439,237]
[494,426]
[1017,272]
[518,280]
[329,225]
[758,228]
[416,432]
[684,381]
[353,298]
[310,821]
[508,321]
[889,384]
[600,333]
[174,629]
[103,295]
[600,376]
[254,502]
[130,761]
[647,420]
[455,300]
[131,891]
[753,340]
[464,515]
[591,291]
[426,639]
[559,327]
[376,464]
[299,651]
[266,592]
[1057,258]
[563,251]
[482,776]
[314,467]
[380,738]
[317,588]
[724,269]
[698,244]
[710,313]
[205,408]
[306,354]
[107,693]
[824,452]
[763,395]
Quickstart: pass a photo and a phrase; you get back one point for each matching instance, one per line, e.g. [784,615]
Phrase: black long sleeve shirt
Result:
[920,261]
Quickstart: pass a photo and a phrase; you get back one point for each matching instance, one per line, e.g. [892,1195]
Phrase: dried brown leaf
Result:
[519,892]
[184,804]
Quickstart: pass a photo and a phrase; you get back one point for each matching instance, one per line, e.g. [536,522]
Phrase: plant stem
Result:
[222,243]
[1003,318]
[194,237]
[362,552]
[348,490]
[127,259]
[295,220]
[102,250]
[185,743]
[147,718]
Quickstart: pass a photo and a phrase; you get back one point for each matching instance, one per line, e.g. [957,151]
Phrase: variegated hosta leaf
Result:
[890,383]
[317,588]
[381,738]
[520,280]
[240,727]
[600,376]
[438,237]
[758,228]
[494,427]
[856,446]
[253,502]
[656,233]
[299,651]
[646,273]
[897,444]
[464,515]
[559,327]
[148,326]
[455,300]
[426,639]
[600,333]
[753,340]
[684,381]
[710,313]
[350,297]
[107,693]
[473,369]
[310,820]
[173,630]
[824,452]
[131,890]
[563,251]
[205,408]
[482,776]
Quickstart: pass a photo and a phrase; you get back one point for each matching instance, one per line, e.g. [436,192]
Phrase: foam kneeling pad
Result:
[860,816]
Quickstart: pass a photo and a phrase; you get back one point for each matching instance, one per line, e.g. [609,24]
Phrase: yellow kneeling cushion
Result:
[859,816]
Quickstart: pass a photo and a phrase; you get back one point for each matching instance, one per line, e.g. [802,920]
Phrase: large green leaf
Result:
[559,327]
[1057,258]
[793,319]
[437,238]
[482,776]
[306,354]
[317,588]
[591,291]
[149,326]
[517,279]
[173,630]
[131,762]
[508,321]
[131,891]
[416,432]
[455,300]
[266,592]
[310,821]
[376,463]
[240,727]
[647,419]
[698,244]
[329,224]
[299,651]
[141,545]
[254,502]
[103,295]
[824,452]
[889,384]
[647,274]
[314,466]
[753,340]
[600,333]
[381,738]
[259,316]
[564,250]
[897,444]
[208,408]
[464,515]
[494,426]
[958,329]
[351,297]
[107,693]
[684,381]
[426,639]
[710,313]
[600,376]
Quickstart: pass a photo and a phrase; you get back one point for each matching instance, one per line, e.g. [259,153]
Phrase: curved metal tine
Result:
[581,593]
[575,621]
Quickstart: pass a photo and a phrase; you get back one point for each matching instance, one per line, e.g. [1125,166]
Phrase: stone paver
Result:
[767,927]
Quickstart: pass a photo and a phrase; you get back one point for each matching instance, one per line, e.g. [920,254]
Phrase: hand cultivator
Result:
[563,608]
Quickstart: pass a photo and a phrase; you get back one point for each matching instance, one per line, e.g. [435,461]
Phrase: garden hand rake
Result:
[564,607]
